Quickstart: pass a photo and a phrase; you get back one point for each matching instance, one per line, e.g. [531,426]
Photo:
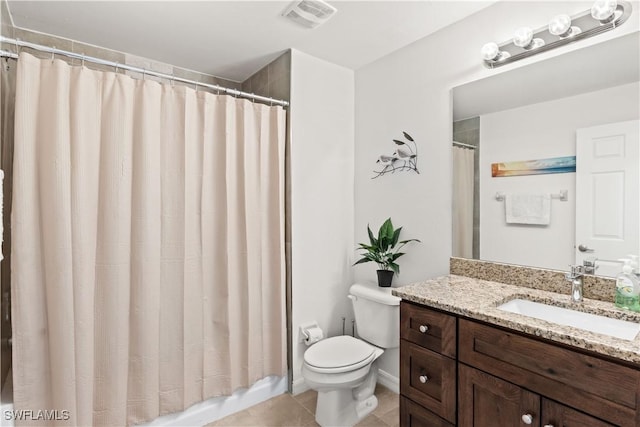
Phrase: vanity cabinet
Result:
[468,373]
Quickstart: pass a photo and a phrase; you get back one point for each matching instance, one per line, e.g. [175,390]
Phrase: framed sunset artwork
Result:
[534,167]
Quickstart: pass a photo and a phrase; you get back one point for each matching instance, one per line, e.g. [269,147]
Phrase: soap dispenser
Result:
[627,288]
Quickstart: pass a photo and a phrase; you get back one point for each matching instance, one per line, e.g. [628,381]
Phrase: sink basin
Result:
[591,322]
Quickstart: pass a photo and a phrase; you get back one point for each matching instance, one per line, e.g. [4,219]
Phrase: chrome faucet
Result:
[575,277]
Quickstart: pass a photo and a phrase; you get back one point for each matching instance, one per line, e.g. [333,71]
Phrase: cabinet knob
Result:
[424,379]
[548,425]
[527,418]
[424,328]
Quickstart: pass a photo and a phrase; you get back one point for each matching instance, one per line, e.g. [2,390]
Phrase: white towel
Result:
[528,209]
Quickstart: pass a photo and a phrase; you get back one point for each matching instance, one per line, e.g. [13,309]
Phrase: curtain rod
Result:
[462,144]
[143,71]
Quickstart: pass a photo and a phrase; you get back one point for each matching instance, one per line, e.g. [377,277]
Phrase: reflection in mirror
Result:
[585,103]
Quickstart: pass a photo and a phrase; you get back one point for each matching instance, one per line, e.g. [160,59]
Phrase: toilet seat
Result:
[339,354]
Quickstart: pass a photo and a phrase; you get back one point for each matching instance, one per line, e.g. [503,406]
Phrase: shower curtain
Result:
[463,202]
[148,244]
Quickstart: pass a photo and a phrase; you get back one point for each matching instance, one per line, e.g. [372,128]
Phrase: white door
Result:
[608,194]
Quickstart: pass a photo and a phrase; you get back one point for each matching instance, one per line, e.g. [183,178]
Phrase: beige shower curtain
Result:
[463,170]
[148,244]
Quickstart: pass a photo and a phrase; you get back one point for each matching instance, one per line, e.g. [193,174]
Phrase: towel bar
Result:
[563,196]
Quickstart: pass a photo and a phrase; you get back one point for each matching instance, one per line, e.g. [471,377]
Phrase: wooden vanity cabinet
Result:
[493,376]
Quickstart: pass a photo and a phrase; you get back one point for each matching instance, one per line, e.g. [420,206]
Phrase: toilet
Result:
[343,369]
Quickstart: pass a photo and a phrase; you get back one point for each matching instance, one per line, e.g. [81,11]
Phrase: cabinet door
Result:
[557,415]
[487,401]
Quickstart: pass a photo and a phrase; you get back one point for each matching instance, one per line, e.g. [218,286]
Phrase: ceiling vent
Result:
[309,13]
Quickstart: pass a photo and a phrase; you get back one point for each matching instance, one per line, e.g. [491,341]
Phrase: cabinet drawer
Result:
[598,387]
[555,414]
[413,415]
[428,379]
[428,328]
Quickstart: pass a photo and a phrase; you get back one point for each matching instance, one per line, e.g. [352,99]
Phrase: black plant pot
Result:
[384,278]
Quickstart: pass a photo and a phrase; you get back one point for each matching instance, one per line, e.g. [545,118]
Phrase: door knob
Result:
[584,248]
[527,419]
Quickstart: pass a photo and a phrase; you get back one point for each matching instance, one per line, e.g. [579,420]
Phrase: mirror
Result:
[585,103]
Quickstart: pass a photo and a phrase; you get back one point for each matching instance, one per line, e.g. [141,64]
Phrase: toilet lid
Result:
[339,351]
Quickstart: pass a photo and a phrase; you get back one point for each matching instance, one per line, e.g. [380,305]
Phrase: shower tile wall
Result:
[273,80]
[467,131]
[5,19]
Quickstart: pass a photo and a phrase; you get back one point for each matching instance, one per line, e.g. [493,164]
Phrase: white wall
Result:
[540,131]
[322,134]
[409,90]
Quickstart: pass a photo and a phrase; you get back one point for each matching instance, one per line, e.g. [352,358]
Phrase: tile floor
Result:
[299,411]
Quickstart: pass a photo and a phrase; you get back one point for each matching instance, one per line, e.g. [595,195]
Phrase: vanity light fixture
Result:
[604,15]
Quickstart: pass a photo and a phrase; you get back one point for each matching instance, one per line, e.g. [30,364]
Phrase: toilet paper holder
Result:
[304,330]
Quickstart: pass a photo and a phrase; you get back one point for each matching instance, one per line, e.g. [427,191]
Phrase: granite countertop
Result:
[478,299]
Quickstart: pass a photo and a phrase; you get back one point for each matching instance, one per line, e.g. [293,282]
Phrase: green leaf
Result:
[410,240]
[373,240]
[399,142]
[396,235]
[396,256]
[395,267]
[406,135]
[362,261]
[387,230]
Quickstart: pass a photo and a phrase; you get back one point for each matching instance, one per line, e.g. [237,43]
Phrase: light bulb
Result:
[490,51]
[523,36]
[560,24]
[604,10]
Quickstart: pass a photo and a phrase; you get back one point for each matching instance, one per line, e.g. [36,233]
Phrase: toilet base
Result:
[348,406]
[345,410]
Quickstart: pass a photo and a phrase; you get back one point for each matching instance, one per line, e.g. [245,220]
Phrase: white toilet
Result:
[343,369]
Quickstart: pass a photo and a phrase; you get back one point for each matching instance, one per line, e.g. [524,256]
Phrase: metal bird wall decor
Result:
[405,158]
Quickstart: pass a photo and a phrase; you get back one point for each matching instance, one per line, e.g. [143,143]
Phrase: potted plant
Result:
[384,251]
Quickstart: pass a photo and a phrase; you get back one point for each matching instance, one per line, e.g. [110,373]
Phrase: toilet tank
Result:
[377,314]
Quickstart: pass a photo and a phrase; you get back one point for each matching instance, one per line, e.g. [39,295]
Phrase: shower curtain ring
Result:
[17,46]
[116,67]
[82,64]
[144,73]
[173,78]
[195,86]
[53,55]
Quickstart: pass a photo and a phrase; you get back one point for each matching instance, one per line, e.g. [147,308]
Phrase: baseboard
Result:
[389,381]
[298,386]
